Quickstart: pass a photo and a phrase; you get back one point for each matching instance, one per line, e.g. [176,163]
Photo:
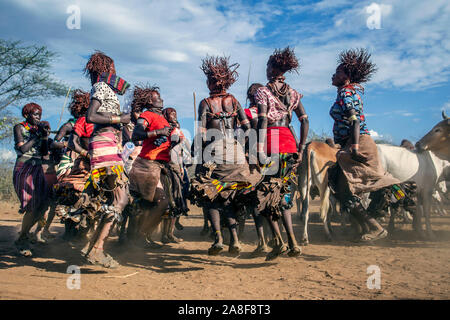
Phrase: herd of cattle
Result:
[428,167]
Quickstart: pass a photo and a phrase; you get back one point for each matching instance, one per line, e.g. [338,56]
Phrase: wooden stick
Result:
[195,116]
[64,106]
[126,276]
[248,82]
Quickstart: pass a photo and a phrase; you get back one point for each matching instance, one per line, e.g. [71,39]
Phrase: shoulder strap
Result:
[207,100]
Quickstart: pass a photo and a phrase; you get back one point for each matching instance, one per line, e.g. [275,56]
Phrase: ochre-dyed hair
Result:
[99,63]
[284,60]
[357,65]
[220,74]
[142,97]
[167,111]
[30,108]
[80,103]
[251,91]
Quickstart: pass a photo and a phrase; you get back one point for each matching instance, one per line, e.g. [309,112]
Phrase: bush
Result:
[7,192]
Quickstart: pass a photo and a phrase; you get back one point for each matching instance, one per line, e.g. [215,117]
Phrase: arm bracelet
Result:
[115,119]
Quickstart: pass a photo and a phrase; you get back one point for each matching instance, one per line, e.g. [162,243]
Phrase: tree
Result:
[24,75]
[313,136]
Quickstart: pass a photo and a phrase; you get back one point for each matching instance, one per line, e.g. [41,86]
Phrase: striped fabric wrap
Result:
[30,186]
[76,176]
[64,166]
[116,83]
[105,150]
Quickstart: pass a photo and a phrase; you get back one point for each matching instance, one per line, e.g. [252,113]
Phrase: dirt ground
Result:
[410,268]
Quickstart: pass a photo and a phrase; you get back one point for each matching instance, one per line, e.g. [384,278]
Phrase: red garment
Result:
[150,151]
[82,128]
[280,140]
[251,112]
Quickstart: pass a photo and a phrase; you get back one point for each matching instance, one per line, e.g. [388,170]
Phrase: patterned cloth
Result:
[277,110]
[76,176]
[34,154]
[273,194]
[105,149]
[252,112]
[30,185]
[98,178]
[223,176]
[65,164]
[116,83]
[347,99]
[107,98]
[105,145]
[82,128]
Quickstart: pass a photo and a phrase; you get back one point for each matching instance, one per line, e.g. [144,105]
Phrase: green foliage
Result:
[24,75]
[313,136]
[383,141]
[7,192]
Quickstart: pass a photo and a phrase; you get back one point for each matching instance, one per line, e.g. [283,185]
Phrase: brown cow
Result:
[313,171]
[437,139]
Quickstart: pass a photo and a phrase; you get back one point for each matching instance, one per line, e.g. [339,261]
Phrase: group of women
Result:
[128,168]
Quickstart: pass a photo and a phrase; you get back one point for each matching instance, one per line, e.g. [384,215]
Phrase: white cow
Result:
[425,169]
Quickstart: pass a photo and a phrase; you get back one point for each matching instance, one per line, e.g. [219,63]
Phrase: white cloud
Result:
[162,42]
[375,135]
[411,50]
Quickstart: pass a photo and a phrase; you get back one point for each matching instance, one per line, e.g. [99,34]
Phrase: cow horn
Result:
[444,115]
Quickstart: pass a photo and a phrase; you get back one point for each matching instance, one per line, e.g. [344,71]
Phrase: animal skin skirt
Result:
[144,177]
[364,177]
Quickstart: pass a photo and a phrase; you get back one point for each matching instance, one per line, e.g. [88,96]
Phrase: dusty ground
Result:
[409,268]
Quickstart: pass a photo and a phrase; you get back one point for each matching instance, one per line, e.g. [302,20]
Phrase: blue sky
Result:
[163,42]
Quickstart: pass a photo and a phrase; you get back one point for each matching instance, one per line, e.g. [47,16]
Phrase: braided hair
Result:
[284,60]
[142,97]
[99,63]
[79,104]
[220,74]
[357,65]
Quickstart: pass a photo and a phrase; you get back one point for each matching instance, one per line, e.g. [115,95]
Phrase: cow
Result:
[437,139]
[425,169]
[313,172]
